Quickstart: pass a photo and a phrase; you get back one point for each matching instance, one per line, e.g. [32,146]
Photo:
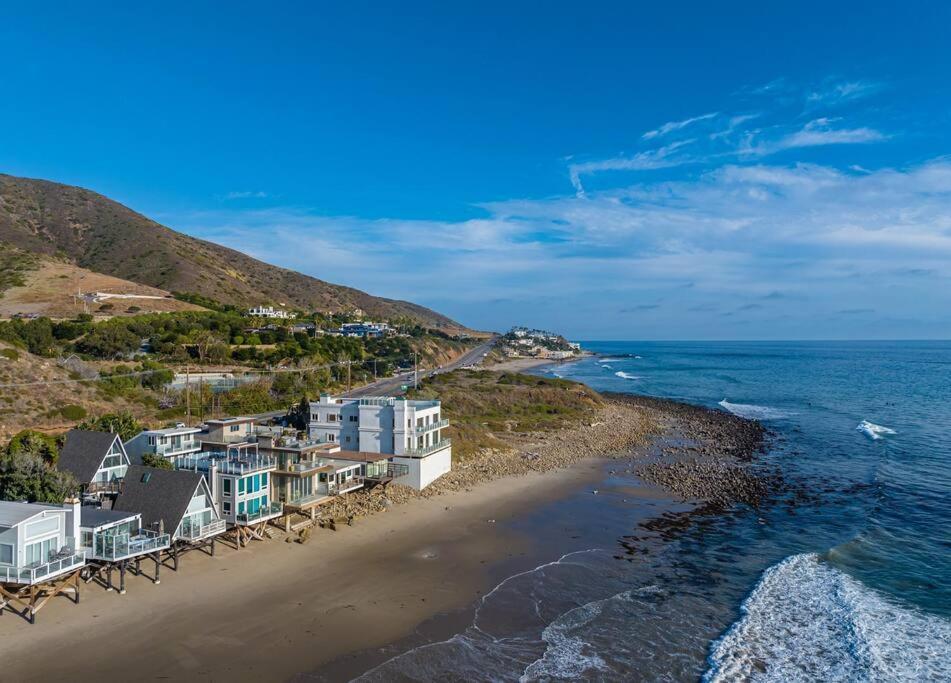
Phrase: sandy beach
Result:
[276,609]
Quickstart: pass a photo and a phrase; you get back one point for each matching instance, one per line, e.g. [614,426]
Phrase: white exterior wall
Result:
[424,471]
[61,525]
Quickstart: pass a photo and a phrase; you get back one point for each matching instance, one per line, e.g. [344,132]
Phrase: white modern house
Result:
[114,539]
[98,460]
[172,443]
[409,431]
[39,557]
[240,483]
[270,312]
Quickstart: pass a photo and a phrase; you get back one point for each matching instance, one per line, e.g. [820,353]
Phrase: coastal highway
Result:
[391,386]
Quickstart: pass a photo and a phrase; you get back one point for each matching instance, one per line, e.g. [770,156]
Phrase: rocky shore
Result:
[695,453]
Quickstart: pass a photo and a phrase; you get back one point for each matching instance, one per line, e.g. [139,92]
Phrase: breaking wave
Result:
[753,412]
[874,431]
[618,359]
[807,621]
[626,375]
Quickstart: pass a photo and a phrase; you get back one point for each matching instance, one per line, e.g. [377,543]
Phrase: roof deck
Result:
[113,547]
[59,563]
[228,463]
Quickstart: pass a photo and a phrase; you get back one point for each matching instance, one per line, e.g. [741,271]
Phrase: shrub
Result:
[73,412]
[10,354]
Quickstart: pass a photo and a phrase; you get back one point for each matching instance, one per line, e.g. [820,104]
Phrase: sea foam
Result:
[807,621]
[754,412]
[626,375]
[874,431]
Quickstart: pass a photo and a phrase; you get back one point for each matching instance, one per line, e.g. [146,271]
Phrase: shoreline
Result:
[278,610]
[274,610]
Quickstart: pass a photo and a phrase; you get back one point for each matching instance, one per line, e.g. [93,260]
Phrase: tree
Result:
[202,340]
[299,415]
[124,424]
[151,460]
[25,476]
[36,443]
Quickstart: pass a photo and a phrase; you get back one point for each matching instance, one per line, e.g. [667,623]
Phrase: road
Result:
[392,386]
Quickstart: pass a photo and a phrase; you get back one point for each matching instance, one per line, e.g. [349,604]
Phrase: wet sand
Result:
[277,609]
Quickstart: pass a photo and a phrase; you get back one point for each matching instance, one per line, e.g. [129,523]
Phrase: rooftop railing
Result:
[59,562]
[427,450]
[112,547]
[302,466]
[265,512]
[228,463]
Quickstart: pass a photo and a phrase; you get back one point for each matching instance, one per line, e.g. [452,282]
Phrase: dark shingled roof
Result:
[83,452]
[165,496]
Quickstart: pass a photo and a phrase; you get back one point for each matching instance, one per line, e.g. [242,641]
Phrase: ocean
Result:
[850,583]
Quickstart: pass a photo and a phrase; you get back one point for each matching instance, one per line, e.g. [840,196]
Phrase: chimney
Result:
[72,506]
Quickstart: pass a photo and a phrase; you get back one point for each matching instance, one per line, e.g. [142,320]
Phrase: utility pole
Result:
[415,370]
[188,402]
[374,369]
[201,399]
[349,363]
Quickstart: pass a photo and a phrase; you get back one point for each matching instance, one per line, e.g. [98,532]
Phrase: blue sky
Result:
[704,170]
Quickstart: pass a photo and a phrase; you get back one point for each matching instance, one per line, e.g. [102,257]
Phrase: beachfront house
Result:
[240,483]
[98,460]
[115,539]
[171,443]
[409,432]
[39,557]
[174,502]
[228,434]
[301,478]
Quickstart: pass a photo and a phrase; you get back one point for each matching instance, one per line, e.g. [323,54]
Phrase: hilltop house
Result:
[172,443]
[409,432]
[231,434]
[175,502]
[98,460]
[270,312]
[38,554]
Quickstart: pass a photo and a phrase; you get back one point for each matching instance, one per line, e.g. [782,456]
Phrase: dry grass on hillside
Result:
[484,406]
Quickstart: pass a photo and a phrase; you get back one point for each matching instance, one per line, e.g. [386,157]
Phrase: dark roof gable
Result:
[83,453]
[161,495]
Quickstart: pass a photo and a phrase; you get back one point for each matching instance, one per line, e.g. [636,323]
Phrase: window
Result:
[234,428]
[348,439]
[226,508]
[331,417]
[241,485]
[226,487]
[6,553]
[331,438]
[354,418]
[241,508]
[151,441]
[263,479]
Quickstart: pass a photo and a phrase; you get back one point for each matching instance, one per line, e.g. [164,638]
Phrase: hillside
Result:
[35,284]
[104,236]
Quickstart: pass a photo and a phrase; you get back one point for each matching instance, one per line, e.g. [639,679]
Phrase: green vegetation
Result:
[14,264]
[73,412]
[484,405]
[27,470]
[10,354]
[150,460]
[124,424]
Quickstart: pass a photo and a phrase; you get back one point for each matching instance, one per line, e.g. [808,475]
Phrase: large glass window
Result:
[241,485]
[6,553]
[226,486]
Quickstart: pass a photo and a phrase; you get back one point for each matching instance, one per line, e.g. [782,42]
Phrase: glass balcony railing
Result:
[195,532]
[112,547]
[59,562]
[264,513]
[422,429]
[426,450]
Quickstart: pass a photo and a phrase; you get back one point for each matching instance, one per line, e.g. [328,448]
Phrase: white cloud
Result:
[671,126]
[247,194]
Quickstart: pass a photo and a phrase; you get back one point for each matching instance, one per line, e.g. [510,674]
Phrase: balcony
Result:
[172,450]
[263,514]
[113,547]
[422,429]
[197,532]
[377,473]
[104,487]
[302,467]
[60,562]
[427,450]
